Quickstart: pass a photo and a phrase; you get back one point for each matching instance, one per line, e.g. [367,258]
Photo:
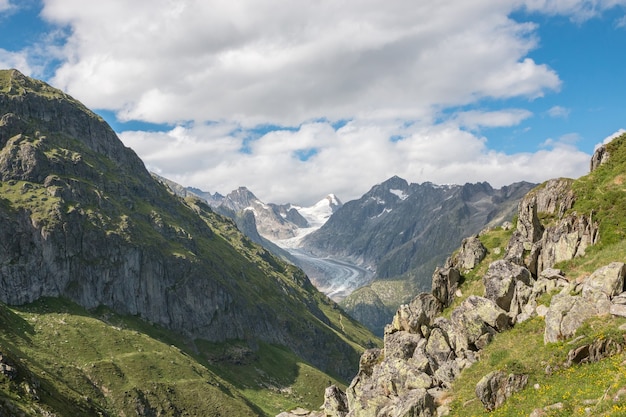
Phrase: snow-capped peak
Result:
[319,213]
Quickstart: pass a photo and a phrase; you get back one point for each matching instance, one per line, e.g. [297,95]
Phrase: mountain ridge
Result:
[82,218]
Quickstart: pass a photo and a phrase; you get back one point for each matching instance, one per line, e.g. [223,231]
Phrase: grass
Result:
[597,389]
[577,388]
[85,362]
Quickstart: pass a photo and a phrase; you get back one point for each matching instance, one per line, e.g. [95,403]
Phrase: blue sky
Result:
[298,100]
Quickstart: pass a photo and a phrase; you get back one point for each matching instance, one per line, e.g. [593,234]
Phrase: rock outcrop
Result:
[425,352]
[494,389]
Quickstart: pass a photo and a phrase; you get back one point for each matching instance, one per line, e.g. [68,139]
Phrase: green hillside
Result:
[89,238]
[592,389]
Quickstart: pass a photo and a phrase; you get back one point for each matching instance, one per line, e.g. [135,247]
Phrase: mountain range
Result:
[372,253]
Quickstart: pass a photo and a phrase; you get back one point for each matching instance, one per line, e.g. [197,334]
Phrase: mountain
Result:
[275,222]
[521,321]
[82,220]
[402,231]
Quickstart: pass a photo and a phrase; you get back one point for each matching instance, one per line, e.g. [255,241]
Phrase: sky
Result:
[299,99]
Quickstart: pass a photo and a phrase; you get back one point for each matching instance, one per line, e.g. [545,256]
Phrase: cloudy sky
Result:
[298,99]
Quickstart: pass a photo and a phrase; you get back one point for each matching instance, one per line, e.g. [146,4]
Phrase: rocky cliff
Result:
[81,218]
[484,293]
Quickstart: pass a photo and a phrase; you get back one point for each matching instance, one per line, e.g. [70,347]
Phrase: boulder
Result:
[568,312]
[335,402]
[368,360]
[494,388]
[501,283]
[567,239]
[618,310]
[415,403]
[438,349]
[420,312]
[477,316]
[593,352]
[609,279]
[445,282]
[401,345]
[470,254]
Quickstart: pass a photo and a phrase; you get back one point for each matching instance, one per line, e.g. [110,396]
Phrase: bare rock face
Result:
[335,402]
[504,282]
[445,282]
[472,251]
[600,156]
[494,388]
[568,312]
[539,247]
[608,279]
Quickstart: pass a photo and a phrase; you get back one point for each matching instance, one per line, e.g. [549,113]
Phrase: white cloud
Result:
[5,5]
[609,138]
[17,60]
[578,10]
[558,111]
[502,118]
[394,70]
[348,160]
[275,61]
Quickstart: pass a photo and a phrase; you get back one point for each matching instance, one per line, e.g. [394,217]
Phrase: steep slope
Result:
[402,231]
[536,326]
[81,218]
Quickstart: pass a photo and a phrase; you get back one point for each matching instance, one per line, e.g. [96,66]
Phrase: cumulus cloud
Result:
[18,60]
[275,61]
[390,74]
[609,138]
[347,161]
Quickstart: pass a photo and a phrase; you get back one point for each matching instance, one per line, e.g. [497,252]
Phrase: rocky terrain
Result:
[483,294]
[401,232]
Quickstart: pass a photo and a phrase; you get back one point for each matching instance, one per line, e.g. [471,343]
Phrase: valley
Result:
[337,279]
[122,293]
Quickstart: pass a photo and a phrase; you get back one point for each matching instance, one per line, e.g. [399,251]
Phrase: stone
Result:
[368,360]
[477,316]
[470,254]
[415,403]
[444,284]
[501,283]
[438,349]
[599,157]
[618,310]
[542,310]
[593,352]
[568,312]
[401,345]
[447,373]
[494,388]
[619,299]
[335,402]
[609,279]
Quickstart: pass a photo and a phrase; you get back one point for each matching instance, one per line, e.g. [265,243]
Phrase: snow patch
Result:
[401,194]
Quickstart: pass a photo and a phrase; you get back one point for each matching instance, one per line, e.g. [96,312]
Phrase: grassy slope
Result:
[587,389]
[82,363]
